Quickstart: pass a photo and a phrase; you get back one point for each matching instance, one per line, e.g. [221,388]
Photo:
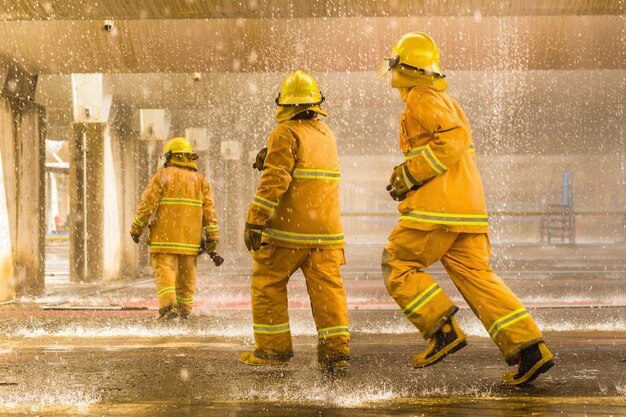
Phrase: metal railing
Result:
[513,213]
[498,215]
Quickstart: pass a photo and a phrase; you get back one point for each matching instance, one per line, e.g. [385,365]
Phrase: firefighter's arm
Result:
[450,139]
[209,219]
[276,176]
[149,201]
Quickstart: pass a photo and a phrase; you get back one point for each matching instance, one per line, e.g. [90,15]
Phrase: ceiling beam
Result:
[287,9]
[317,45]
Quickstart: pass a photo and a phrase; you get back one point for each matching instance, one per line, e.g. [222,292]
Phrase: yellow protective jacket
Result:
[436,140]
[183,203]
[297,200]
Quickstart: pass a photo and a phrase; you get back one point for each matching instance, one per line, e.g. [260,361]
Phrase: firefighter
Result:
[444,218]
[184,222]
[294,223]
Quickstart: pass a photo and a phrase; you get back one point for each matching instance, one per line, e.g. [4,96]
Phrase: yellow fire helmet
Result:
[299,89]
[414,56]
[179,145]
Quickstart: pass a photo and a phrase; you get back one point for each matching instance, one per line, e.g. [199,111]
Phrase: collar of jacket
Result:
[410,81]
[284,113]
[404,91]
[181,161]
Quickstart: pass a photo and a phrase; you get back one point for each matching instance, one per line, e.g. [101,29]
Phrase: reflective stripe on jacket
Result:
[182,204]
[297,200]
[436,140]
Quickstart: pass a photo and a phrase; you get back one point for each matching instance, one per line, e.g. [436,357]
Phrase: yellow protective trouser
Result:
[175,279]
[465,257]
[273,265]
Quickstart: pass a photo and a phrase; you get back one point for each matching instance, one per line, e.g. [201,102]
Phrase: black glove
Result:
[260,159]
[252,236]
[135,237]
[209,245]
[400,183]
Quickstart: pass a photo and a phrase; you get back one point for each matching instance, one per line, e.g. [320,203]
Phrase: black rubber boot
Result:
[534,360]
[449,339]
[183,313]
[167,313]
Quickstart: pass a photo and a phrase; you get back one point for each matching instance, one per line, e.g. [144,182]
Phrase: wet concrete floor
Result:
[61,367]
[58,360]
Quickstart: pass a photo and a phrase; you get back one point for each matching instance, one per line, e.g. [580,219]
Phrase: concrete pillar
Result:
[132,253]
[140,166]
[7,211]
[7,280]
[23,158]
[22,149]
[87,201]
[29,250]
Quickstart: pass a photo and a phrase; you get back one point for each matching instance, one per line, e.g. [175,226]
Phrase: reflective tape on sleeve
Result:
[264,203]
[414,152]
[138,222]
[211,228]
[433,161]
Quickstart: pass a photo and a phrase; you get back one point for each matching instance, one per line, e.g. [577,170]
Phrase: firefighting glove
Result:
[252,236]
[209,245]
[400,183]
[135,237]
[260,159]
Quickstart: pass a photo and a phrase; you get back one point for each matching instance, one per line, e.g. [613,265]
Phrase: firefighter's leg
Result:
[272,336]
[185,284]
[422,300]
[164,266]
[419,296]
[330,309]
[509,324]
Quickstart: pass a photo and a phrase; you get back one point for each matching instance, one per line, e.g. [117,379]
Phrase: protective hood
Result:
[284,113]
[407,78]
[183,161]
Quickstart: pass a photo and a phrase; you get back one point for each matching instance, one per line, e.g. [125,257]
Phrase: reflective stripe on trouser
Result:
[466,259]
[175,279]
[273,265]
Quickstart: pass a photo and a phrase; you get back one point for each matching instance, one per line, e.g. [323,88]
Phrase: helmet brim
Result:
[299,103]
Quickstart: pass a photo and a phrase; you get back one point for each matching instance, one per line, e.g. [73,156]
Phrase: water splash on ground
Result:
[78,399]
